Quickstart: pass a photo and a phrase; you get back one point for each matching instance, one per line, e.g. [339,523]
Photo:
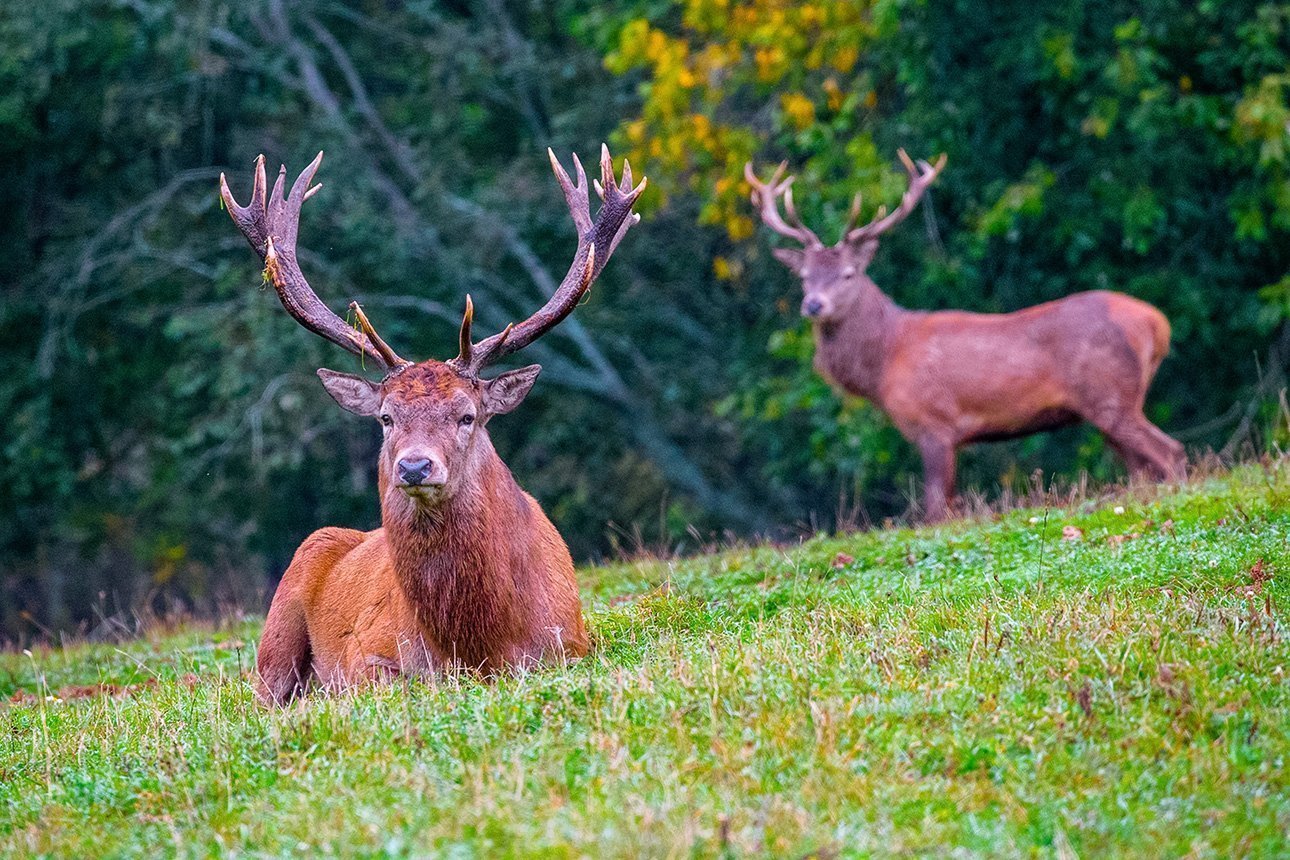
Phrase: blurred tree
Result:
[166,440]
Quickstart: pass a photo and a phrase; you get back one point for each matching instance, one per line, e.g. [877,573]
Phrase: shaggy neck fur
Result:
[456,563]
[851,348]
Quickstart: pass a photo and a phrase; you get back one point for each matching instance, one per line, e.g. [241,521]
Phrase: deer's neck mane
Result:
[851,349]
[460,564]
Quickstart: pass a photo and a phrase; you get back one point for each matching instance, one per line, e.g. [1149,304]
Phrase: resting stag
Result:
[466,570]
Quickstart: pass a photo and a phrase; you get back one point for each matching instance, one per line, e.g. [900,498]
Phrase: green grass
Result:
[986,688]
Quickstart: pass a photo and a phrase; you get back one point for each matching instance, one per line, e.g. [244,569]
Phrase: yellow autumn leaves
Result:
[799,59]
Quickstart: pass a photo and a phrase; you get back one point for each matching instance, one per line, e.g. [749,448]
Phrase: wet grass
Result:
[1103,679]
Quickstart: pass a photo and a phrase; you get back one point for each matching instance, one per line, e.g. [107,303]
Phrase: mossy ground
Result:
[983,688]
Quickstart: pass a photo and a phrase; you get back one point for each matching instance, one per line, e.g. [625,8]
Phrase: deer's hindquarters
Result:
[1146,331]
[284,659]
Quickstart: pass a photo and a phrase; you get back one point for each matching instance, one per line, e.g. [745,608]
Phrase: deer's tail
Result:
[1160,333]
[1146,331]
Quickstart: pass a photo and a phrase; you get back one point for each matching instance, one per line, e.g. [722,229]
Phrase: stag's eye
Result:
[387,420]
[467,419]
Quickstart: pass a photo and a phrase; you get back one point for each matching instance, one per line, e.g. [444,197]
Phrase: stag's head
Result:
[832,275]
[433,417]
[433,413]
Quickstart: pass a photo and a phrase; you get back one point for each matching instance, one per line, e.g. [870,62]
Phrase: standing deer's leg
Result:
[1169,455]
[1145,447]
[1136,465]
[938,477]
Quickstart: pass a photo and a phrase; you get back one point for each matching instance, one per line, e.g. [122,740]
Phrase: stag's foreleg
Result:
[938,476]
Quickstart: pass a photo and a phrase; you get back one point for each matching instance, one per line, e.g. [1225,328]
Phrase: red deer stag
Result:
[466,570]
[951,378]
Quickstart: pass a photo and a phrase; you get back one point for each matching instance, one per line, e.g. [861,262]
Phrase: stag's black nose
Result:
[812,307]
[414,472]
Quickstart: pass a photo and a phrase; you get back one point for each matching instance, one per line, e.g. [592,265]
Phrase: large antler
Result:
[765,196]
[920,177]
[596,242]
[271,227]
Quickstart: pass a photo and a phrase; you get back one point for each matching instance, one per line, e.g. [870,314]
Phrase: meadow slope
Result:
[1106,679]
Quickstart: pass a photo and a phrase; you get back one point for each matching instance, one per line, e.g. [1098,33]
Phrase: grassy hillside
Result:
[1101,680]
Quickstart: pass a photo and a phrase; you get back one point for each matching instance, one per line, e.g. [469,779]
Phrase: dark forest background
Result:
[166,443]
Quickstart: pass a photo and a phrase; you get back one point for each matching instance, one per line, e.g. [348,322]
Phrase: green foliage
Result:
[166,441]
[986,688]
[167,446]
[1092,145]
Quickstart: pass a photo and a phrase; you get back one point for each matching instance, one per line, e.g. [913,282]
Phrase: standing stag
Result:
[951,378]
[466,570]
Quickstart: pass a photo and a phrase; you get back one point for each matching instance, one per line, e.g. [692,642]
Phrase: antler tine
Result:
[270,226]
[388,356]
[463,337]
[854,214]
[790,208]
[611,224]
[275,196]
[244,216]
[910,168]
[606,180]
[574,195]
[779,172]
[630,222]
[765,196]
[300,190]
[921,176]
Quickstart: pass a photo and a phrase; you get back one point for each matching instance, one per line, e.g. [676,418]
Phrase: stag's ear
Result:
[864,253]
[791,257]
[354,393]
[503,393]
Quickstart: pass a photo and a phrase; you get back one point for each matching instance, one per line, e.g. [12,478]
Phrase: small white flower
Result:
[1119,509]
[1034,520]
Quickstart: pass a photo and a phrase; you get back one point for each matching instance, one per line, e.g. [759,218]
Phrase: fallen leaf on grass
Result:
[71,692]
[841,560]
[1173,686]
[1072,533]
[1259,574]
[1084,698]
